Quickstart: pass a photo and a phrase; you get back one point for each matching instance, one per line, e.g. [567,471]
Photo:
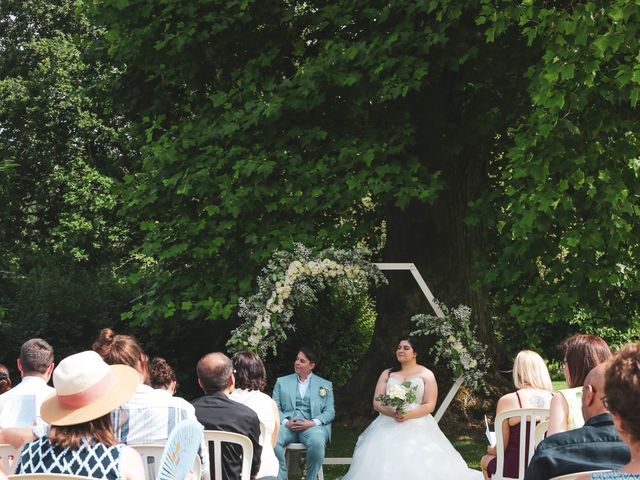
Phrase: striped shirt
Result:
[150,415]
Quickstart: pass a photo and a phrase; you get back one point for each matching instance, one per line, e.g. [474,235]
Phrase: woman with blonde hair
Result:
[533,390]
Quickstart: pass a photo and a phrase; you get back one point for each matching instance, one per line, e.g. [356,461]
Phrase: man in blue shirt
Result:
[595,446]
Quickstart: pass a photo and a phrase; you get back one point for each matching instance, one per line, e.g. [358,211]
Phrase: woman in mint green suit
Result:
[305,402]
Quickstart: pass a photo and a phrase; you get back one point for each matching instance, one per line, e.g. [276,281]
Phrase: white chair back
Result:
[574,476]
[218,438]
[8,458]
[525,415]
[541,431]
[151,456]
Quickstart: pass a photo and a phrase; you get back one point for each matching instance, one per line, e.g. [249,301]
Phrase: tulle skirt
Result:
[415,449]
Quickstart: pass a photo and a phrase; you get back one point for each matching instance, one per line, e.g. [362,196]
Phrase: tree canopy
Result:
[173,146]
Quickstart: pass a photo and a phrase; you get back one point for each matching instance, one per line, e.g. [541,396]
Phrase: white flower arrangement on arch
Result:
[456,343]
[291,279]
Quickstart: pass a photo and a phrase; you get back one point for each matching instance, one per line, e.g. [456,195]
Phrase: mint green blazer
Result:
[320,393]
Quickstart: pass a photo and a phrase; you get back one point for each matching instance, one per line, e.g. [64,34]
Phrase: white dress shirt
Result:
[27,396]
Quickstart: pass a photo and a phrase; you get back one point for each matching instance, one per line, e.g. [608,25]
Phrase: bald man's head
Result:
[593,392]
[215,372]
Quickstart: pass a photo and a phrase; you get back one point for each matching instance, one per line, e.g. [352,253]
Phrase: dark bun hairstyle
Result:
[161,375]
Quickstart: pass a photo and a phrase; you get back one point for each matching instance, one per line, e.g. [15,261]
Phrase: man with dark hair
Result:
[20,406]
[306,409]
[595,446]
[216,411]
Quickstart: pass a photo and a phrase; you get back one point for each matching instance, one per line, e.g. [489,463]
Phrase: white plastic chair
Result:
[541,431]
[301,447]
[525,414]
[574,476]
[218,438]
[8,458]
[151,456]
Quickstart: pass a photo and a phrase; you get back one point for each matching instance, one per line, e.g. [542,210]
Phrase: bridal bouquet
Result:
[399,396]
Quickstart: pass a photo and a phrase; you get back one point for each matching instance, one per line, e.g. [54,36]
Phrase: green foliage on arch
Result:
[293,279]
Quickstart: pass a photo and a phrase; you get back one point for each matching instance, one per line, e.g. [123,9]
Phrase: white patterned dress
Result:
[89,460]
[415,449]
[615,475]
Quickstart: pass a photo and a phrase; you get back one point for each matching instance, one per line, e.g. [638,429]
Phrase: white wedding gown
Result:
[415,449]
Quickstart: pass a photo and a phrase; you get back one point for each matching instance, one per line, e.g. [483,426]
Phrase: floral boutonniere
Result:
[323,392]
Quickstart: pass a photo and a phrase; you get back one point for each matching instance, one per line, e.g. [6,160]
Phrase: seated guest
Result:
[5,379]
[251,378]
[305,403]
[581,353]
[162,376]
[149,415]
[595,446]
[622,397]
[216,411]
[23,401]
[533,384]
[80,439]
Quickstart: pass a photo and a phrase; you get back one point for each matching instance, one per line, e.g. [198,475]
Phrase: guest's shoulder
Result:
[323,381]
[242,410]
[196,402]
[557,440]
[181,403]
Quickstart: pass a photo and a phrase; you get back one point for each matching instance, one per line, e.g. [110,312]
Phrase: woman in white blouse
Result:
[251,378]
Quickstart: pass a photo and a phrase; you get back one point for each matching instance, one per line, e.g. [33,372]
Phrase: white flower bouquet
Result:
[399,396]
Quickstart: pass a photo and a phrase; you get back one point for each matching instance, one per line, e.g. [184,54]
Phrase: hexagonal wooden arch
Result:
[436,308]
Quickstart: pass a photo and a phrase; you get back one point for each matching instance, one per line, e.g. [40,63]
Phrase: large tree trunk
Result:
[443,248]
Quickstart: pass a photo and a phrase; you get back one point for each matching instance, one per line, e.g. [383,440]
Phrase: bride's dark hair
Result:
[414,344]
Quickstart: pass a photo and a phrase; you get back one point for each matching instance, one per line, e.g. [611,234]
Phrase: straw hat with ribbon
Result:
[87,388]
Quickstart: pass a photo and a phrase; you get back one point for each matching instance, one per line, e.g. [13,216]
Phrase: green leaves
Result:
[569,190]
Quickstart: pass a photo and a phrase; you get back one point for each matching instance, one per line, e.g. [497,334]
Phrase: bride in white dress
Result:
[410,445]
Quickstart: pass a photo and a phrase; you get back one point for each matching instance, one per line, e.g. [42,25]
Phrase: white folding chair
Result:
[8,458]
[532,415]
[574,476]
[218,438]
[541,431]
[299,447]
[151,456]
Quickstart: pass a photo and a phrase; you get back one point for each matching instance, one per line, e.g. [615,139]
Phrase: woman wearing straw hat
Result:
[81,440]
